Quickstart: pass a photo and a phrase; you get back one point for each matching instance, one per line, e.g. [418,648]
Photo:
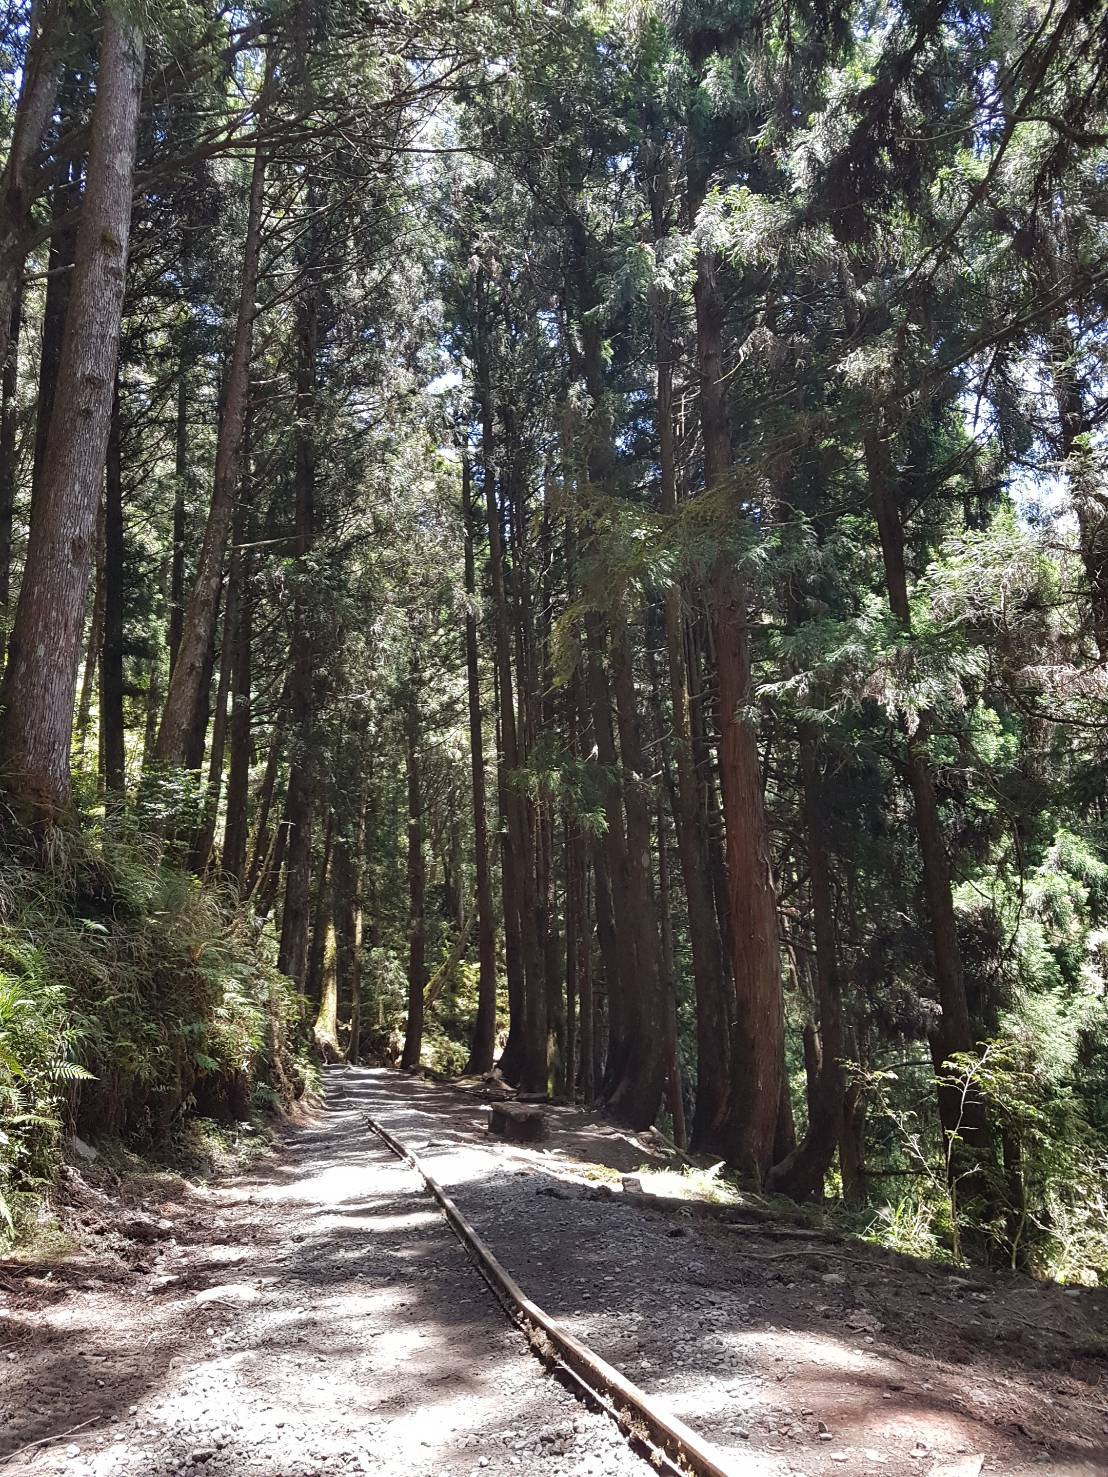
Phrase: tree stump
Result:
[518,1122]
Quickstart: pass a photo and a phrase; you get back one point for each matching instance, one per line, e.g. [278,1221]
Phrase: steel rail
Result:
[634,1411]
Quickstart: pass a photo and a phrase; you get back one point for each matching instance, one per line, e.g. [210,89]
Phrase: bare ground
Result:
[793,1355]
[310,1319]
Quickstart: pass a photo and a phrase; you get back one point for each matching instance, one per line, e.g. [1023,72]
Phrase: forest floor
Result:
[314,1317]
[793,1354]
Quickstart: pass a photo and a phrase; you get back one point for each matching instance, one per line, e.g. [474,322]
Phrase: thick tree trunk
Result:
[576,943]
[187,679]
[417,878]
[757,1047]
[709,975]
[112,728]
[484,1026]
[37,721]
[616,926]
[511,1056]
[675,1098]
[758,1044]
[637,1096]
[326,1029]
[532,1038]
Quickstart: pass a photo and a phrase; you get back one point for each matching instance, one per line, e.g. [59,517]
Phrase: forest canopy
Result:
[570,538]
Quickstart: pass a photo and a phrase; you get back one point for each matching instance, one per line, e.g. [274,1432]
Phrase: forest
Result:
[567,539]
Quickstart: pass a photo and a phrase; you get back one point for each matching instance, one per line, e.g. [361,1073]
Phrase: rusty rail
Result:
[635,1412]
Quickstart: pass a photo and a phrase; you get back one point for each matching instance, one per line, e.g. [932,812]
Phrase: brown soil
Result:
[793,1353]
[313,1318]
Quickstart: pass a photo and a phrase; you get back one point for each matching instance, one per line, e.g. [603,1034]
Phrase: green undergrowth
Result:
[133,1000]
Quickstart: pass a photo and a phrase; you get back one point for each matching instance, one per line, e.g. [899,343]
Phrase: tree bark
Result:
[758,1041]
[95,639]
[417,877]
[180,489]
[346,882]
[38,91]
[321,914]
[233,859]
[802,1173]
[532,1027]
[9,415]
[198,629]
[37,722]
[112,728]
[64,210]
[293,956]
[484,1026]
[636,1096]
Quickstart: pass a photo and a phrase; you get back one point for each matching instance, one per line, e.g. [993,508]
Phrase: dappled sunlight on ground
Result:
[311,1319]
[805,1355]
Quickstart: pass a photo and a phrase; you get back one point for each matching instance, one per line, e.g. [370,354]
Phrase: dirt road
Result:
[315,1318]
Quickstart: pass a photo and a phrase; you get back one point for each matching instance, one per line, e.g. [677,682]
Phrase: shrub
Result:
[130,995]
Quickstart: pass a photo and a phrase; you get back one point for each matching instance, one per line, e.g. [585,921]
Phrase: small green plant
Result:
[131,997]
[37,1067]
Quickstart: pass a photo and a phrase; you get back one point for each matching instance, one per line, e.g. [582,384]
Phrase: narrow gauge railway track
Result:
[670,1444]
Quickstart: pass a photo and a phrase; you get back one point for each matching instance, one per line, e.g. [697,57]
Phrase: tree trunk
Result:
[954,1032]
[233,859]
[293,957]
[674,1090]
[709,978]
[802,1174]
[638,1094]
[262,838]
[484,1026]
[180,489]
[112,730]
[209,808]
[757,1047]
[346,882]
[9,416]
[616,928]
[758,1044]
[95,639]
[198,629]
[532,1027]
[65,203]
[324,899]
[37,722]
[40,75]
[417,878]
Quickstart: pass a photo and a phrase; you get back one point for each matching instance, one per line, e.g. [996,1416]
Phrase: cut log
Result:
[518,1122]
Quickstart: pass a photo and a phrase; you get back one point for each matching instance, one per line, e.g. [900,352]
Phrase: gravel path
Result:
[795,1357]
[314,1318]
